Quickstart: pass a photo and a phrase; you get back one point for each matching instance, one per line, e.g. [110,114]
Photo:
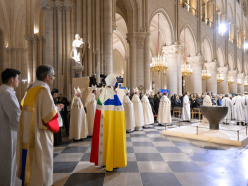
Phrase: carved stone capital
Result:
[130,37]
[114,26]
[241,76]
[171,51]
[196,60]
[223,70]
[35,37]
[29,37]
[233,73]
[67,5]
[211,65]
[126,58]
[140,39]
[47,5]
[59,5]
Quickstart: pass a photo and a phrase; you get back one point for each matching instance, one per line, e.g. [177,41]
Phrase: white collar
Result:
[41,83]
[7,87]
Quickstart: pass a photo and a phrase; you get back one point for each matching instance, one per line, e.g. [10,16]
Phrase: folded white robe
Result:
[129,113]
[138,111]
[164,111]
[147,110]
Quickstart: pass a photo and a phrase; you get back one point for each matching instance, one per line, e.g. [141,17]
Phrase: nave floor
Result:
[154,159]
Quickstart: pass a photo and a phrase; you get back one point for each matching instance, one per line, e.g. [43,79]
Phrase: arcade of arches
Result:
[122,37]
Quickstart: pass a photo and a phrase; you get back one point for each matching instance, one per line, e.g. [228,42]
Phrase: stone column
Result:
[127,73]
[108,37]
[233,87]
[241,87]
[212,82]
[40,52]
[147,62]
[132,48]
[195,81]
[89,36]
[222,87]
[79,17]
[59,8]
[170,52]
[67,79]
[179,70]
[48,6]
[35,55]
[30,58]
[140,41]
[98,38]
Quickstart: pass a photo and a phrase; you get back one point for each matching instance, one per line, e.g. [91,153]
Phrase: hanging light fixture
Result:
[158,63]
[205,74]
[245,83]
[220,77]
[185,68]
[239,82]
[230,80]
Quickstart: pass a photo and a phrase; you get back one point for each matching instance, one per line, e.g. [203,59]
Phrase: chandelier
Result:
[220,78]
[230,80]
[239,82]
[158,63]
[245,83]
[205,74]
[185,68]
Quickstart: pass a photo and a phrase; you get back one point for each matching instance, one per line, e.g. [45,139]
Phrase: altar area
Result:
[227,134]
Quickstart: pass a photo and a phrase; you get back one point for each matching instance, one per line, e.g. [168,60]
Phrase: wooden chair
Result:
[177,110]
[196,111]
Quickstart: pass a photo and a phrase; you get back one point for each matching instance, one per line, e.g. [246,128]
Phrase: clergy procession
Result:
[29,130]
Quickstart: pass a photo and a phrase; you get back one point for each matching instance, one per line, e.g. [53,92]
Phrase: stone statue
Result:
[78,50]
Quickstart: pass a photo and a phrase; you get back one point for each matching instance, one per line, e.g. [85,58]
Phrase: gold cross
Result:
[118,108]
[101,135]
[102,116]
[101,144]
[100,152]
[101,125]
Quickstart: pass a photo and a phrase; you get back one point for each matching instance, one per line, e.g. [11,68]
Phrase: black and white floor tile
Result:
[154,159]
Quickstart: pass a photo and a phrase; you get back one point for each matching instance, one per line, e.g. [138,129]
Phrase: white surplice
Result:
[90,104]
[164,111]
[186,109]
[240,109]
[226,102]
[129,114]
[9,114]
[138,111]
[246,108]
[147,110]
[78,123]
[233,107]
[206,102]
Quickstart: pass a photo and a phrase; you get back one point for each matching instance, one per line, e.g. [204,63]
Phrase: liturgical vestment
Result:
[147,110]
[78,123]
[109,136]
[129,113]
[90,104]
[206,102]
[35,136]
[240,109]
[9,114]
[138,111]
[226,102]
[186,109]
[164,110]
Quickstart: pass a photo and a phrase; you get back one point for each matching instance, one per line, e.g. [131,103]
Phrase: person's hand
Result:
[60,106]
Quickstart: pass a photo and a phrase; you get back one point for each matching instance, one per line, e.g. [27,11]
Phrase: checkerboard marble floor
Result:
[154,159]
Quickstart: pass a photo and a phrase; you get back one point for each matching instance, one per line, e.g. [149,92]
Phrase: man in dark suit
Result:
[64,112]
[198,101]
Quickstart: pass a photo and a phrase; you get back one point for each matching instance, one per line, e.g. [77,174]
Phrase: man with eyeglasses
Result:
[35,134]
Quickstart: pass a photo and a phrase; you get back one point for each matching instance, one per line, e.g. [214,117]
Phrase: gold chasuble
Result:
[34,152]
